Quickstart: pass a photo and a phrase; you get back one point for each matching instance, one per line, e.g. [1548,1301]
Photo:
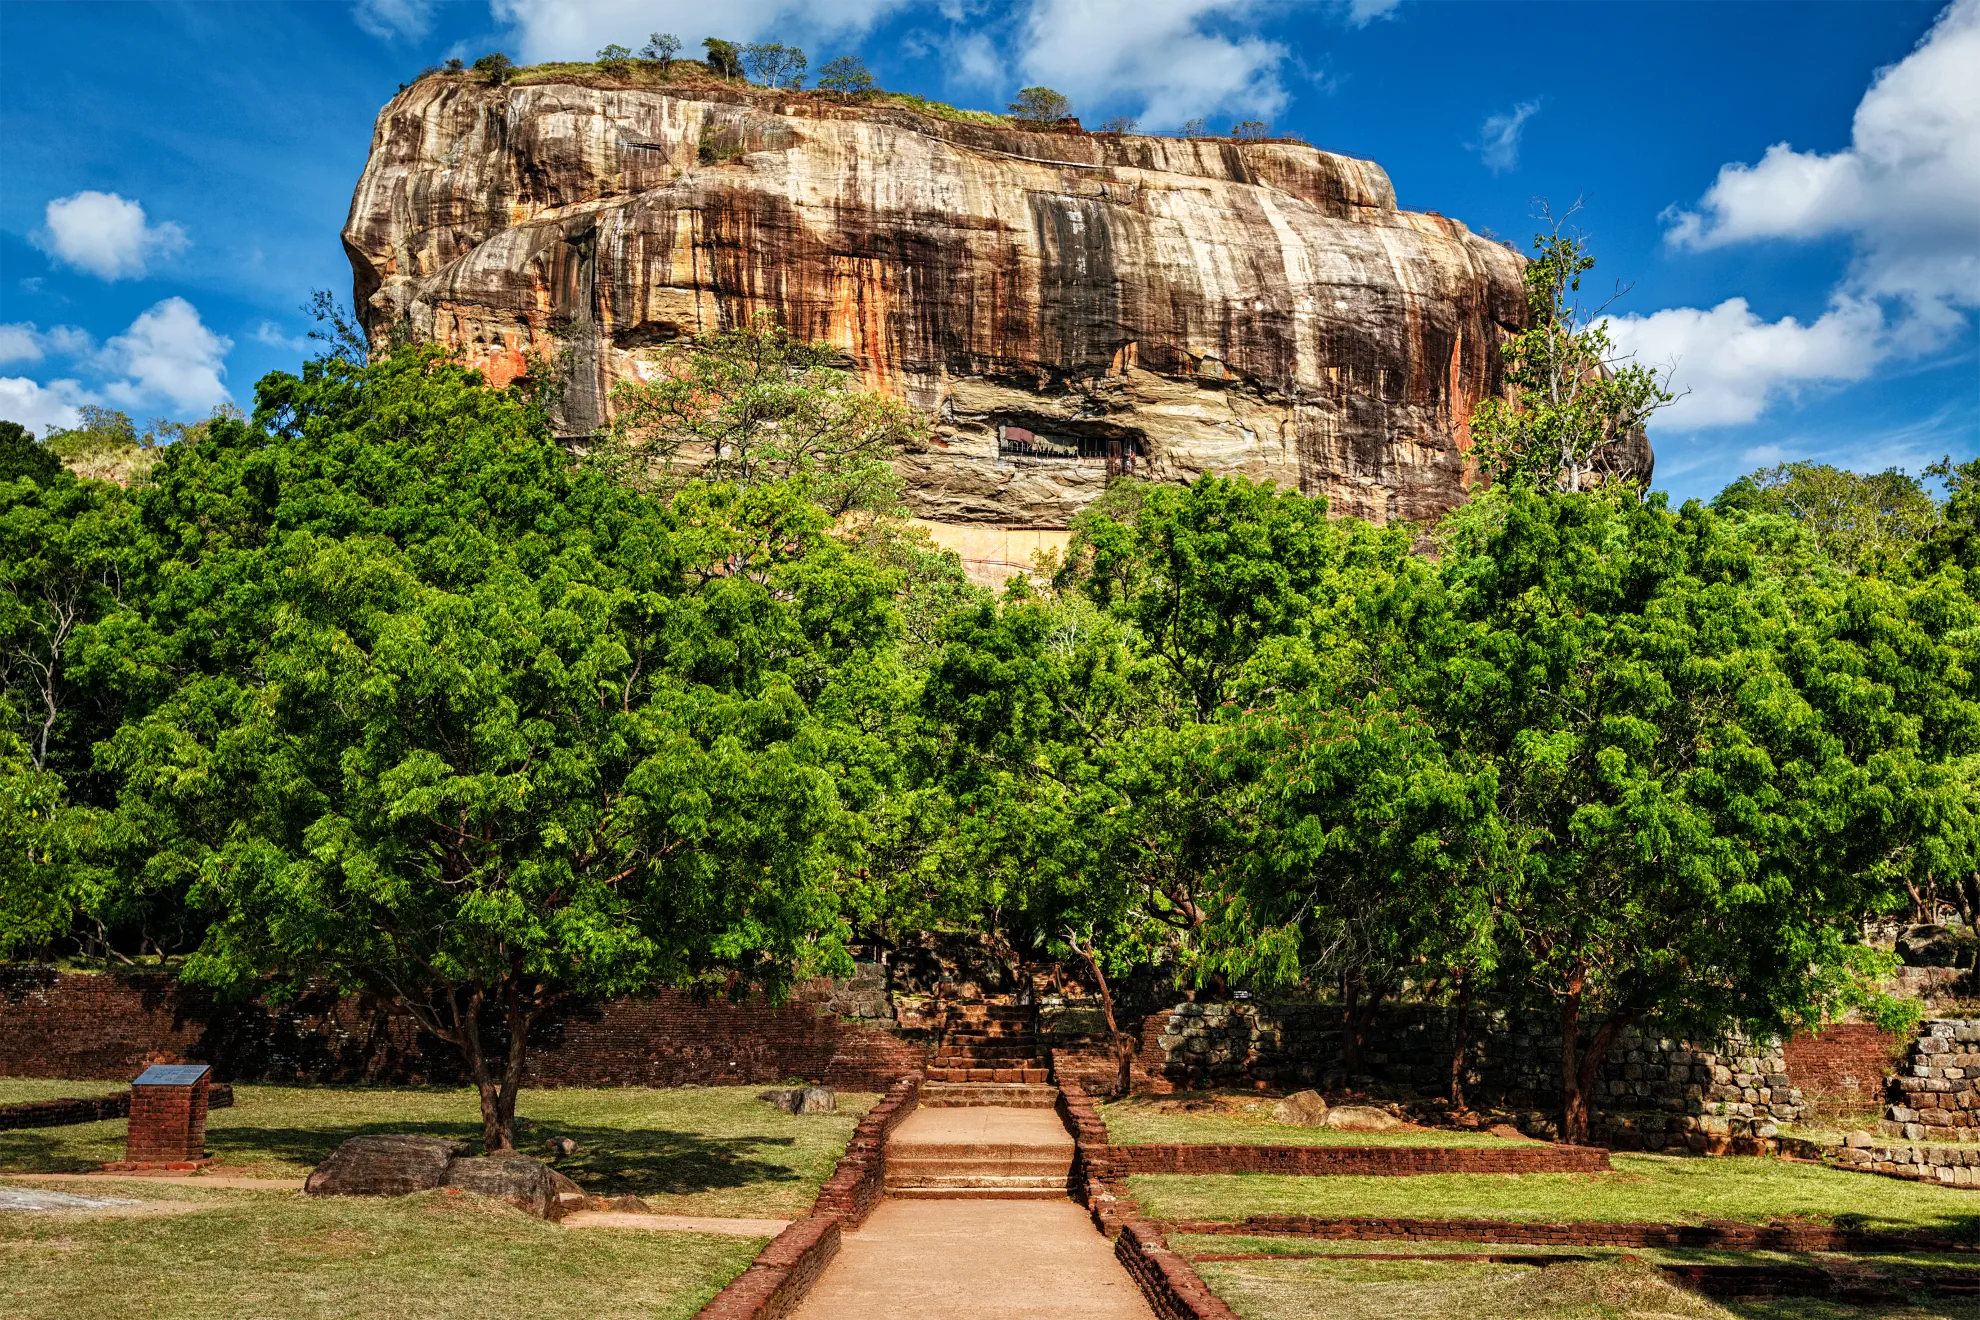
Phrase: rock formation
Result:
[1064,305]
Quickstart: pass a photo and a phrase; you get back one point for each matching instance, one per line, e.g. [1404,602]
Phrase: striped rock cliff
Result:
[1063,305]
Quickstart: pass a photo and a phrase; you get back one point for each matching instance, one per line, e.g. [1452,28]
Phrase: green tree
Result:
[1865,523]
[1040,105]
[1573,397]
[455,718]
[1956,539]
[757,404]
[1703,773]
[615,59]
[21,456]
[846,75]
[725,57]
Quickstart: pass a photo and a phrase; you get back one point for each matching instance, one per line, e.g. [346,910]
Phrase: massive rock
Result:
[1064,305]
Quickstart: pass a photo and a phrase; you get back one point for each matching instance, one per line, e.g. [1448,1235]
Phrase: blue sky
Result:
[1791,191]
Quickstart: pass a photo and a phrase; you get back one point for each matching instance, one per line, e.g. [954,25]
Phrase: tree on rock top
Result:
[1040,105]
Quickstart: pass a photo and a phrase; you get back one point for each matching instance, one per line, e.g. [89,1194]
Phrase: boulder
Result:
[388,1164]
[1301,1109]
[1859,1140]
[527,1184]
[1926,946]
[560,1146]
[802,1099]
[1360,1118]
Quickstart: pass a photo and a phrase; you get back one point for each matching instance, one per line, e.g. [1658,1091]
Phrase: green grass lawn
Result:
[1661,1188]
[1142,1120]
[688,1150]
[435,1257]
[20,1090]
[1316,1287]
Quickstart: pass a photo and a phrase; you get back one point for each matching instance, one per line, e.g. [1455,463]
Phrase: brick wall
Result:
[1841,1069]
[1375,1161]
[107,1026]
[88,1109]
[167,1124]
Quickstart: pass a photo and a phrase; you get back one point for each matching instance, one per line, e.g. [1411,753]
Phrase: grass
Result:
[1317,1288]
[432,1256]
[691,1150]
[1148,1120]
[1662,1188]
[20,1090]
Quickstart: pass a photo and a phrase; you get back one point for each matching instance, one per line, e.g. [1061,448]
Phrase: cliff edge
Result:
[1065,305]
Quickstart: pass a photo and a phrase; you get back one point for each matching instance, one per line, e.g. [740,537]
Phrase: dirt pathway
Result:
[975,1260]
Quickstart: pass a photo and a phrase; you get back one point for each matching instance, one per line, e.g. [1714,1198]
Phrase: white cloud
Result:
[38,406]
[973,61]
[1729,364]
[387,19]
[578,29]
[1763,456]
[271,334]
[168,353]
[1154,54]
[1498,139]
[19,343]
[106,235]
[1906,190]
[1360,13]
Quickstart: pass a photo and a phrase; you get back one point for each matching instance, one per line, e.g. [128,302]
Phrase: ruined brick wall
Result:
[1842,1068]
[59,1024]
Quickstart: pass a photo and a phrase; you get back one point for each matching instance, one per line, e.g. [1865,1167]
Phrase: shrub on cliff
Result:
[754,405]
[497,66]
[1040,105]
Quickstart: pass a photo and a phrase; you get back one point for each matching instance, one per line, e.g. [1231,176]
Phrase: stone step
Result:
[1011,1056]
[941,1094]
[1036,1076]
[977,1193]
[992,1181]
[918,1169]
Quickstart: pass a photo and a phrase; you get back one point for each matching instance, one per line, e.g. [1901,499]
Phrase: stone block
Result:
[527,1184]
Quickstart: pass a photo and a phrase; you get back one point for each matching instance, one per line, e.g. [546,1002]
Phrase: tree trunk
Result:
[1574,1102]
[1123,1043]
[1357,1019]
[1460,1038]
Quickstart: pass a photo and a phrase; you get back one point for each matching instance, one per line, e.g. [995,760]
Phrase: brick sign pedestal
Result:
[168,1119]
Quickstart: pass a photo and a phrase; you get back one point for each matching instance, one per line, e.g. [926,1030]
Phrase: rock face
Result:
[1066,306]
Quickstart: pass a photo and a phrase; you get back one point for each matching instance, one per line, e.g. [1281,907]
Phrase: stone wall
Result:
[1654,1092]
[1935,1095]
[64,1024]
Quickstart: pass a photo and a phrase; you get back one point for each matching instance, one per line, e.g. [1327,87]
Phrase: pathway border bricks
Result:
[1362,1161]
[783,1272]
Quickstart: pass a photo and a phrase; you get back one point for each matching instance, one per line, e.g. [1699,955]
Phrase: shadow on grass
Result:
[609,1161]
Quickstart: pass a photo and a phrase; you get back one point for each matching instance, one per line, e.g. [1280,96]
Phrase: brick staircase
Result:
[989,1056]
